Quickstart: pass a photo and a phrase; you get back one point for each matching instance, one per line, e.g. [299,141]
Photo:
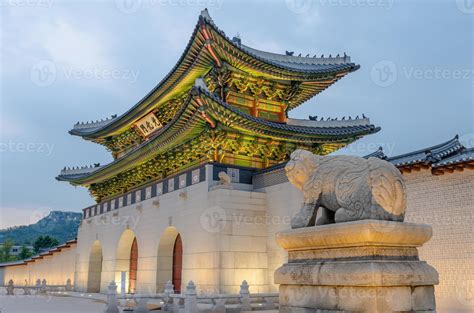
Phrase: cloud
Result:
[176,37]
[13,216]
[10,127]
[71,46]
[29,38]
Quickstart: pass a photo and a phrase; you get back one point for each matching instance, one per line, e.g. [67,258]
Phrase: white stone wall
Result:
[241,237]
[446,202]
[283,200]
[56,269]
[221,244]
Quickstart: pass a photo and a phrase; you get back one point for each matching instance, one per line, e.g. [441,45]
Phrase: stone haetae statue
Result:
[224,179]
[345,188]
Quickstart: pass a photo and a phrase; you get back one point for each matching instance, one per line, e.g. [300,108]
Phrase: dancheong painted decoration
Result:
[223,102]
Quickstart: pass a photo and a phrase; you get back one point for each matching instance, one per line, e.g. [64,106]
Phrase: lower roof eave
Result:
[221,110]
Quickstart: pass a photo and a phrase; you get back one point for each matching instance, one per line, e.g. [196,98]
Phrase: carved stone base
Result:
[362,266]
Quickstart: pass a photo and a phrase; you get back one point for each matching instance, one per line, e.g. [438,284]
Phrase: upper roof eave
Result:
[95,132]
[326,133]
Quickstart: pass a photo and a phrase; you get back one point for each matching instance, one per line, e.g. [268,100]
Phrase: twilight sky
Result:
[68,61]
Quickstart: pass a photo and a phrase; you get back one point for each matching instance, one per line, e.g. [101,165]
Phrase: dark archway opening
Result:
[133,266]
[177,263]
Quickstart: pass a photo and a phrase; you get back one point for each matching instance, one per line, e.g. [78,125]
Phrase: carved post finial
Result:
[10,288]
[190,301]
[245,297]
[112,302]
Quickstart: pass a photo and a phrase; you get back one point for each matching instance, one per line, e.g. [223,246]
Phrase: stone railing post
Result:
[169,288]
[218,305]
[168,301]
[190,301]
[142,306]
[38,283]
[112,302]
[10,288]
[26,291]
[245,297]
[269,303]
[176,305]
[68,285]
[43,286]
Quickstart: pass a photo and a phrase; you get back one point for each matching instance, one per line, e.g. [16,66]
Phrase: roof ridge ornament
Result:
[205,14]
[200,83]
[236,39]
[97,123]
[78,170]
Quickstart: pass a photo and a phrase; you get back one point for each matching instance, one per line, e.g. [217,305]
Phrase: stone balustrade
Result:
[41,287]
[191,302]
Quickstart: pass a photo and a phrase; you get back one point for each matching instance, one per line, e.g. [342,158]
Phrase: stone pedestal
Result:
[362,266]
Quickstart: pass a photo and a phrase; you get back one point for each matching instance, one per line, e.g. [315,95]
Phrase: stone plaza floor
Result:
[49,304]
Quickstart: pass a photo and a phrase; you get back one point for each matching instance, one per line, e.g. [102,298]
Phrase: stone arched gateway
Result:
[170,260]
[95,268]
[127,261]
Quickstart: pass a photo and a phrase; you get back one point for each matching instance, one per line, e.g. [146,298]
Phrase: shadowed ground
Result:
[49,304]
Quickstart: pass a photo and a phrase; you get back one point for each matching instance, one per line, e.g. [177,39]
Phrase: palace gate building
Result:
[162,212]
[197,190]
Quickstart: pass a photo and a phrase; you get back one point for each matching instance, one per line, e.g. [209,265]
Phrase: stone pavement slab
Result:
[49,304]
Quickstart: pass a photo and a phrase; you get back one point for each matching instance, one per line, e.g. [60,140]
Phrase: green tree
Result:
[25,253]
[5,251]
[45,243]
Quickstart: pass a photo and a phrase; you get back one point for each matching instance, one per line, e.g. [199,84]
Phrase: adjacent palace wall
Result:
[56,266]
[446,202]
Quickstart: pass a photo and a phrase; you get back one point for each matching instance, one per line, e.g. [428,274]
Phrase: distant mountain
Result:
[60,225]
